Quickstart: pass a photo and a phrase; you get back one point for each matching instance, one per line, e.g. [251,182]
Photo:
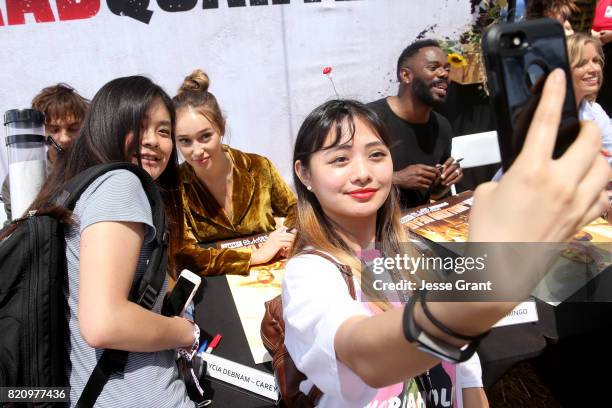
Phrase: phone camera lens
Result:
[516,41]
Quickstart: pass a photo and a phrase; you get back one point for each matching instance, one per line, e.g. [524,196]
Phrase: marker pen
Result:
[213,343]
[203,347]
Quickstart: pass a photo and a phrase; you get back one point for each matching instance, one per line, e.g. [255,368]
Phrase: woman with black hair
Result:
[130,119]
[351,349]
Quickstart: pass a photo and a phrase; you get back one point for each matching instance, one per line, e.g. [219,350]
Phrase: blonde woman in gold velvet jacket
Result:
[226,193]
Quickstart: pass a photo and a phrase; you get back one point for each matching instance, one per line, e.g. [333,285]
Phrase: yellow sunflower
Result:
[456,60]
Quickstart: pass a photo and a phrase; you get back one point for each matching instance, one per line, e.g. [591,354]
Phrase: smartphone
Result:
[518,58]
[182,294]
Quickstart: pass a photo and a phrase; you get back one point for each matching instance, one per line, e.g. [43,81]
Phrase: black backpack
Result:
[33,309]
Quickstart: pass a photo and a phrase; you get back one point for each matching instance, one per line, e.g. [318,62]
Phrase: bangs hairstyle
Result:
[111,132]
[61,103]
[114,122]
[575,50]
[335,119]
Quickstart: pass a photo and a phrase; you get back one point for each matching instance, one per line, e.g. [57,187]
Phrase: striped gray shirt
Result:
[150,379]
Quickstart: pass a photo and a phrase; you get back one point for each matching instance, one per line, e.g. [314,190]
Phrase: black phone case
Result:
[514,99]
[173,307]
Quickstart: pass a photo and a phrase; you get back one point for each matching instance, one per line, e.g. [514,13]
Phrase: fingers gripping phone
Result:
[518,58]
[182,294]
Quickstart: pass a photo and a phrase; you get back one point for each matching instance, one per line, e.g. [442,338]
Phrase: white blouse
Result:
[593,111]
[316,302]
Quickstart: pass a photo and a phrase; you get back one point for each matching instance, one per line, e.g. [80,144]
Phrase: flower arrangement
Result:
[464,52]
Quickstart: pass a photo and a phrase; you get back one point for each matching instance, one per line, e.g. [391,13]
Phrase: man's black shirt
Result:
[428,143]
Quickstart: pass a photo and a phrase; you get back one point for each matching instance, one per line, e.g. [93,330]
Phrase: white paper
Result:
[250,293]
[525,312]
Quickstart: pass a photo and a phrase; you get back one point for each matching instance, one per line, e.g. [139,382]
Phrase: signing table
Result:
[240,374]
[217,313]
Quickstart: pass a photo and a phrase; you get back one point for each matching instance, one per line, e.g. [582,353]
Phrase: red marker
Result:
[213,343]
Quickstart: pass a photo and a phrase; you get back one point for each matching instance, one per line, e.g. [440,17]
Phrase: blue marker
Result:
[203,347]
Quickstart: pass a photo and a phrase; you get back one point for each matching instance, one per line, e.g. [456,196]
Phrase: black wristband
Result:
[430,344]
[447,330]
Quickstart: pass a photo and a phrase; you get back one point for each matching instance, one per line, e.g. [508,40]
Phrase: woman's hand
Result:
[541,199]
[107,319]
[538,200]
[278,240]
[186,332]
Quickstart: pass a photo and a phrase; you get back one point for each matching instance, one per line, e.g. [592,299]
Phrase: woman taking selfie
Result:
[130,120]
[227,193]
[352,350]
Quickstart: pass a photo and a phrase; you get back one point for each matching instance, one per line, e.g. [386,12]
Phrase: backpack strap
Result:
[111,361]
[146,290]
[149,286]
[345,270]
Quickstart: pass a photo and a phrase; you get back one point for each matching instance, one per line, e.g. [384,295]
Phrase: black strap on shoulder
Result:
[111,361]
[147,290]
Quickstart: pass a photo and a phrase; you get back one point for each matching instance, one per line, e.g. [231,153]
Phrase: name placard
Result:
[247,378]
[253,241]
[525,312]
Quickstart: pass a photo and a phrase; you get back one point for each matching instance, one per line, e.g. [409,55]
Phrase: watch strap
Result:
[430,344]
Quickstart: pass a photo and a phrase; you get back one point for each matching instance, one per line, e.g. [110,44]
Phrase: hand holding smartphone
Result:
[177,301]
[518,58]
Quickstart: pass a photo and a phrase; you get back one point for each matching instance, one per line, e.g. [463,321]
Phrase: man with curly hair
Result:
[64,111]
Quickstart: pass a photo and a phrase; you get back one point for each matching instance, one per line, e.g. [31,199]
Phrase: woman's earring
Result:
[309,188]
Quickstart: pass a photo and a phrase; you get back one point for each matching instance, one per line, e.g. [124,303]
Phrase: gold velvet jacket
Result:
[259,194]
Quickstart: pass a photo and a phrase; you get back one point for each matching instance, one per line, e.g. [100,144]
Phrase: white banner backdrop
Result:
[265,61]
